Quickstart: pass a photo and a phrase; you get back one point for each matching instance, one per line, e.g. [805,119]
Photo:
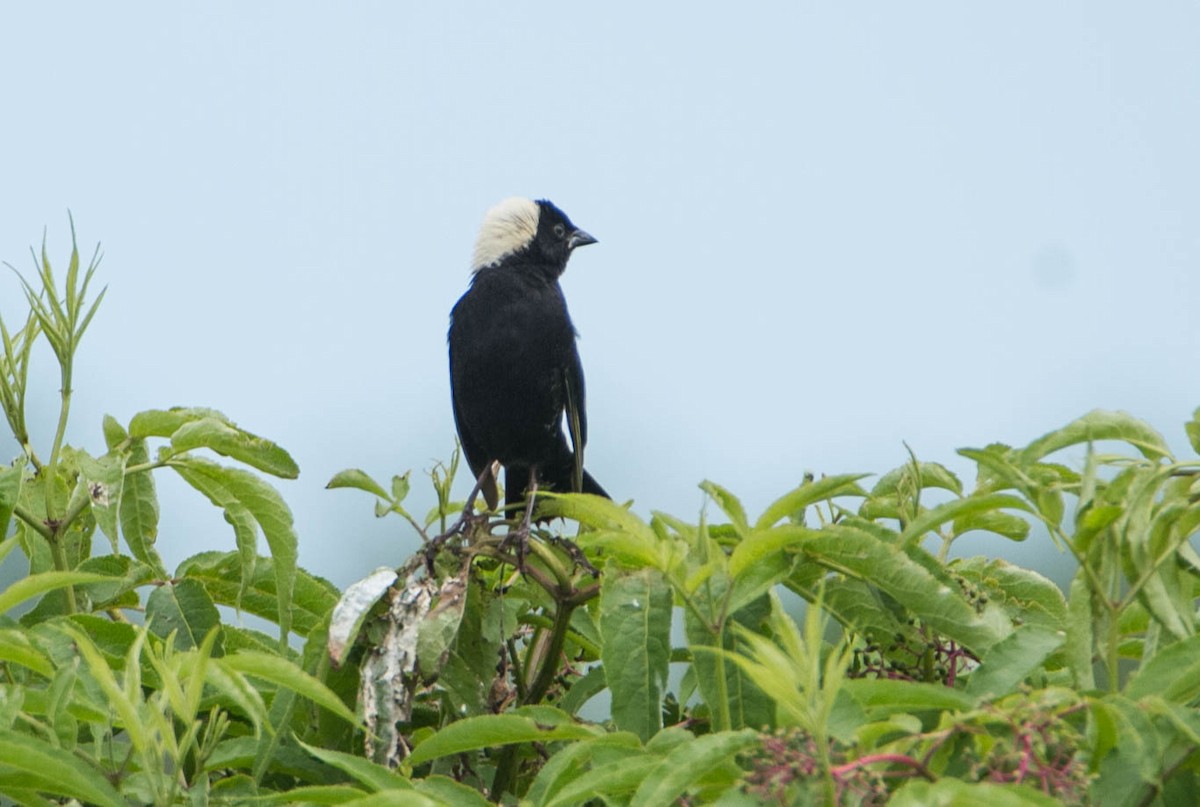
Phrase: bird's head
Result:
[537,231]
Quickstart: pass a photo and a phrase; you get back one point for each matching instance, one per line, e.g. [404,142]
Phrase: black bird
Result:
[514,366]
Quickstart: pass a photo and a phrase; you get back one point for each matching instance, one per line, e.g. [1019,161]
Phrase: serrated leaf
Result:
[165,422]
[488,731]
[635,624]
[114,432]
[356,478]
[1026,596]
[882,697]
[730,505]
[1100,425]
[1010,526]
[220,574]
[762,544]
[182,607]
[1009,661]
[237,516]
[267,508]
[1172,674]
[122,575]
[138,510]
[227,440]
[103,479]
[795,501]
[933,475]
[16,648]
[939,605]
[958,508]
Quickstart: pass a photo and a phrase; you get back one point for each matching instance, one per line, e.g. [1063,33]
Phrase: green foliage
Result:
[471,672]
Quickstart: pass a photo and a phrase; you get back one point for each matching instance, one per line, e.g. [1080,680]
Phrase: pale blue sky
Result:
[824,228]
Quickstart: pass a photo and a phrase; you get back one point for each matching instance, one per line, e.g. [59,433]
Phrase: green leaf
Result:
[439,629]
[227,440]
[397,798]
[1026,596]
[792,503]
[938,604]
[220,574]
[1192,427]
[1136,756]
[139,510]
[620,777]
[37,584]
[947,792]
[882,697]
[307,795]
[16,648]
[400,485]
[1172,674]
[1008,662]
[488,731]
[165,422]
[103,480]
[373,776]
[123,575]
[445,790]
[355,478]
[114,432]
[46,768]
[730,505]
[763,544]
[689,763]
[727,689]
[958,508]
[1010,526]
[932,475]
[185,608]
[264,504]
[635,624]
[285,674]
[238,516]
[1100,425]
[11,478]
[563,779]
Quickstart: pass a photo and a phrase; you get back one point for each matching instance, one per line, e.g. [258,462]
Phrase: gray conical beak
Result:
[579,239]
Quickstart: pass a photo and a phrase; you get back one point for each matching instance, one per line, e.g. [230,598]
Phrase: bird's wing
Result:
[576,415]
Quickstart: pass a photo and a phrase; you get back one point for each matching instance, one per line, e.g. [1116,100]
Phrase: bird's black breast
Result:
[511,340]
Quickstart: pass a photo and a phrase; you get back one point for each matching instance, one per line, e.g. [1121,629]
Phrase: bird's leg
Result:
[465,520]
[520,536]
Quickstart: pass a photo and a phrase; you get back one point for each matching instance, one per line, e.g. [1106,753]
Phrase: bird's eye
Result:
[560,230]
